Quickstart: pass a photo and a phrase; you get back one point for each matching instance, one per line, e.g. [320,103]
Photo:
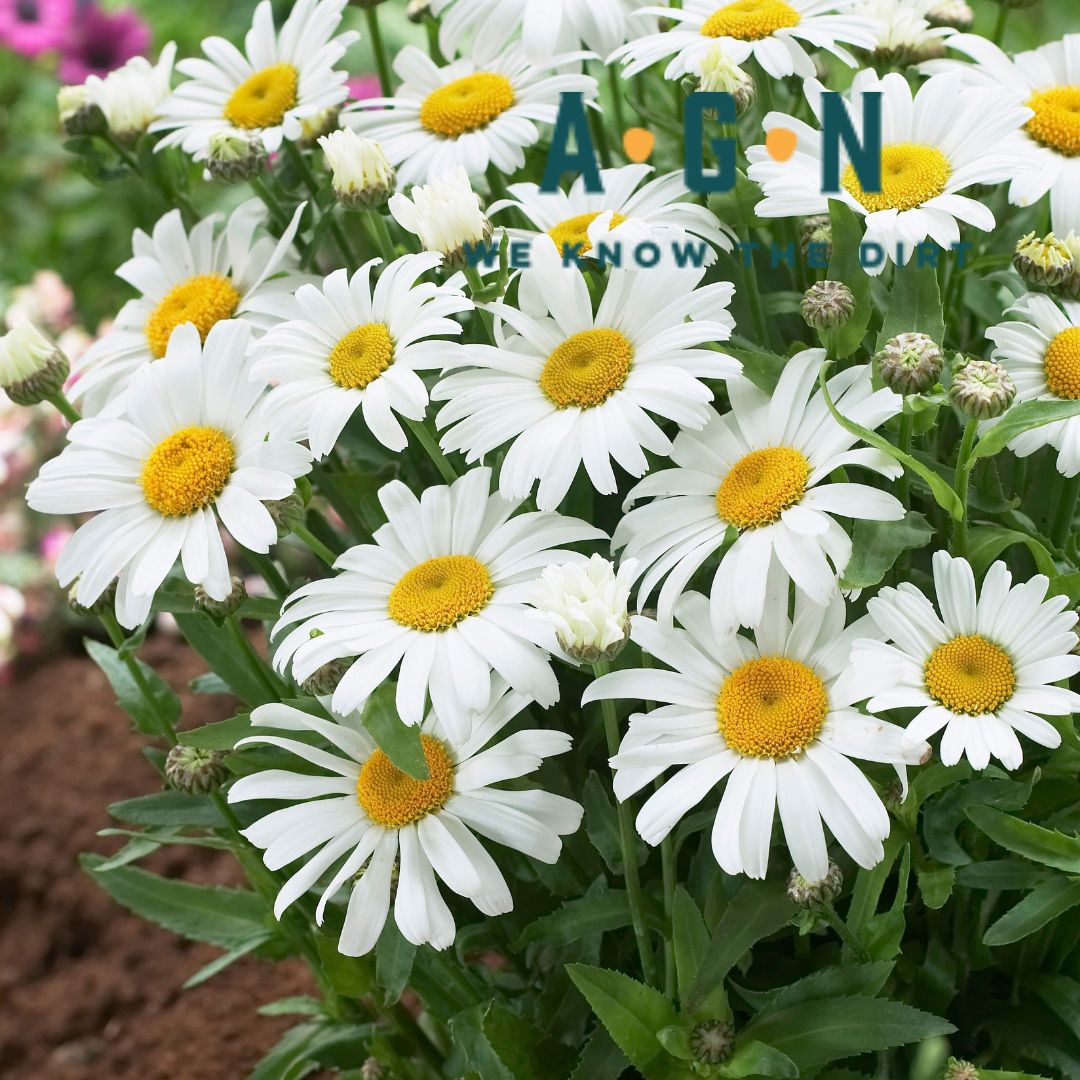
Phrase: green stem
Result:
[254,660]
[628,842]
[277,211]
[830,915]
[64,407]
[903,485]
[963,476]
[119,639]
[667,869]
[615,85]
[1066,511]
[265,568]
[599,132]
[296,156]
[427,441]
[999,26]
[316,546]
[381,61]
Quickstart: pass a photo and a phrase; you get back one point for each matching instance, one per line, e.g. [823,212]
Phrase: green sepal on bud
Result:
[32,368]
[815,894]
[323,681]
[981,389]
[418,10]
[827,305]
[1045,261]
[287,513]
[234,158]
[222,609]
[956,14]
[956,1069]
[101,606]
[363,177]
[910,363]
[195,771]
[78,114]
[816,230]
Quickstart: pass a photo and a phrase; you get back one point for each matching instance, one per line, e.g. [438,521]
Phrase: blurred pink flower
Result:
[46,302]
[53,543]
[100,41]
[32,27]
[364,86]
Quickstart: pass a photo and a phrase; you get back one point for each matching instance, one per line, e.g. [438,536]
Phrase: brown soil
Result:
[87,990]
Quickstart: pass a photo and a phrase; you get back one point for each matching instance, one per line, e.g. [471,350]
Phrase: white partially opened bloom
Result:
[131,96]
[362,815]
[981,665]
[773,717]
[189,450]
[905,33]
[31,367]
[362,173]
[445,214]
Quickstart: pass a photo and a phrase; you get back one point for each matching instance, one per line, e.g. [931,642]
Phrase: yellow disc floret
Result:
[750,20]
[575,230]
[970,675]
[440,592]
[393,799]
[761,486]
[466,104]
[1062,364]
[1056,122]
[263,99]
[361,356]
[587,368]
[911,174]
[187,470]
[204,300]
[771,707]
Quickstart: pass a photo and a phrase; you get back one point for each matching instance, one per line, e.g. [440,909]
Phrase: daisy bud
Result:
[196,771]
[587,605]
[130,95]
[100,606]
[718,72]
[712,1042]
[418,10]
[954,13]
[363,175]
[313,128]
[324,681]
[816,230]
[445,214]
[827,304]
[982,389]
[955,1069]
[32,368]
[812,894]
[372,1069]
[233,158]
[1046,261]
[79,114]
[222,609]
[287,513]
[1071,286]
[910,363]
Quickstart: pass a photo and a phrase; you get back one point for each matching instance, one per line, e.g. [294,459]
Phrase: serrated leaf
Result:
[1020,418]
[876,545]
[690,937]
[176,809]
[222,735]
[602,823]
[987,542]
[935,884]
[136,848]
[396,739]
[1045,846]
[945,815]
[594,913]
[848,980]
[754,1058]
[150,716]
[1042,905]
[1002,874]
[393,962]
[601,1059]
[298,1051]
[220,963]
[914,304]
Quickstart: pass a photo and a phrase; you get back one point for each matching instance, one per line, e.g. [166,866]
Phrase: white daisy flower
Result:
[904,30]
[445,215]
[1041,351]
[571,388]
[443,592]
[367,817]
[358,347]
[936,142]
[774,32]
[202,277]
[268,90]
[190,448]
[474,112]
[762,471]
[1045,154]
[130,97]
[773,716]
[623,213]
[981,669]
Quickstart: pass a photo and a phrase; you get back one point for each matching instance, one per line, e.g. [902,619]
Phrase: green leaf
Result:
[223,735]
[936,884]
[761,367]
[150,717]
[298,1005]
[594,913]
[756,1059]
[396,739]
[846,266]
[1021,418]
[847,980]
[215,645]
[876,545]
[946,814]
[136,848]
[987,542]
[998,1074]
[525,1051]
[602,823]
[1032,841]
[1002,874]
[737,207]
[1042,905]
[394,958]
[601,1059]
[1062,997]
[223,917]
[813,1033]
[299,1051]
[691,941]
[220,963]
[633,1014]
[172,808]
[914,304]
[1065,585]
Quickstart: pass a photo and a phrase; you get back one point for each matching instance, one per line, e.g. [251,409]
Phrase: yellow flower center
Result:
[970,675]
[439,593]
[204,300]
[263,99]
[466,104]
[761,486]
[911,174]
[187,470]
[575,230]
[587,368]
[393,798]
[1056,122]
[1062,364]
[771,707]
[750,20]
[361,356]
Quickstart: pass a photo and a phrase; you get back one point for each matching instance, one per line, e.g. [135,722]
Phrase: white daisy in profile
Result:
[365,814]
[443,593]
[268,90]
[771,715]
[189,451]
[358,347]
[474,112]
[937,142]
[775,33]
[625,212]
[763,471]
[1041,351]
[572,388]
[213,273]
[980,665]
[1046,152]
[905,33]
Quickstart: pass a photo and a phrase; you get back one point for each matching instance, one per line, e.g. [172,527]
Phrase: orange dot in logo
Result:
[638,144]
[781,143]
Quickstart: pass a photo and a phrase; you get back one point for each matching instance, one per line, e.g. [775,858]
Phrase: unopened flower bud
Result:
[910,363]
[196,771]
[953,13]
[313,128]
[719,73]
[418,10]
[363,175]
[827,305]
[222,609]
[1071,286]
[372,1069]
[233,158]
[982,389]
[955,1069]
[324,681]
[712,1042]
[32,368]
[287,513]
[816,230]
[104,603]
[812,894]
[79,113]
[445,214]
[1043,261]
